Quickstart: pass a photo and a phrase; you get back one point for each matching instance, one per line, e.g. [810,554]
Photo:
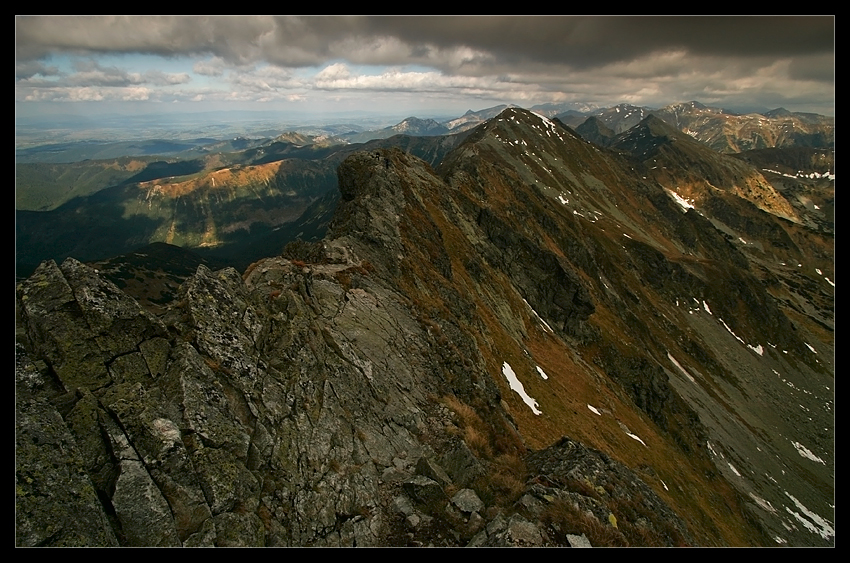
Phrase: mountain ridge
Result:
[527,254]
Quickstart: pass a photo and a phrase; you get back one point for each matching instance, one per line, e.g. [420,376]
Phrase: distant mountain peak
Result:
[417,126]
[778,112]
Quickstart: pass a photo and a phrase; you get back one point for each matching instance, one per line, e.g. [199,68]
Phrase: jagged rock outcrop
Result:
[594,482]
[283,410]
[304,405]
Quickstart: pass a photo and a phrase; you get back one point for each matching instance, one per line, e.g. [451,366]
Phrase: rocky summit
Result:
[538,342]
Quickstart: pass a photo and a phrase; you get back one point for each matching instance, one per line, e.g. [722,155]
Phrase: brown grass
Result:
[582,487]
[564,517]
[505,480]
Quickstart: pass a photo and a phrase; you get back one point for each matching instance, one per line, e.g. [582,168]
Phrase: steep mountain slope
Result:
[721,130]
[805,177]
[650,268]
[622,117]
[410,379]
[594,130]
[42,186]
[730,133]
[694,171]
[796,161]
[472,119]
[211,209]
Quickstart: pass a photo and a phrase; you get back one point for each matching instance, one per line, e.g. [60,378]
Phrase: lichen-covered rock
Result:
[595,483]
[348,401]
[56,504]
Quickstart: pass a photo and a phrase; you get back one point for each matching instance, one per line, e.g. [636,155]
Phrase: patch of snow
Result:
[683,203]
[539,318]
[732,333]
[763,503]
[545,120]
[829,282]
[816,524]
[735,471]
[593,409]
[758,349]
[779,540]
[542,373]
[810,347]
[634,437]
[517,387]
[562,200]
[705,305]
[678,365]
[804,452]
[818,271]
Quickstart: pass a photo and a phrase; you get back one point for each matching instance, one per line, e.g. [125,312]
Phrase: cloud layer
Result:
[727,61]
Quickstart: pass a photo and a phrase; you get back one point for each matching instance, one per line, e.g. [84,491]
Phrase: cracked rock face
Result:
[341,402]
[284,407]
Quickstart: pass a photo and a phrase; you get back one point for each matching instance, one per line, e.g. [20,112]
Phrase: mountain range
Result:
[112,205]
[725,131]
[512,336]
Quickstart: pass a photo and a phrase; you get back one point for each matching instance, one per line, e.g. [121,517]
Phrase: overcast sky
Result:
[413,65]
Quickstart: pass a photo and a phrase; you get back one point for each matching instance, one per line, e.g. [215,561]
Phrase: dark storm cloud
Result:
[577,41]
[235,38]
[583,41]
[749,61]
[820,69]
[28,69]
[90,73]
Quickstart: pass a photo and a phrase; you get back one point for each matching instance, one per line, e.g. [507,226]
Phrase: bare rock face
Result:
[55,501]
[594,476]
[288,408]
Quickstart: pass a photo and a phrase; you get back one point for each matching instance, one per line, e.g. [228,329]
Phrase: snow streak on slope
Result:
[516,385]
[678,365]
[816,524]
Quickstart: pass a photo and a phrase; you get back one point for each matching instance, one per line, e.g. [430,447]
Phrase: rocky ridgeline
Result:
[305,403]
